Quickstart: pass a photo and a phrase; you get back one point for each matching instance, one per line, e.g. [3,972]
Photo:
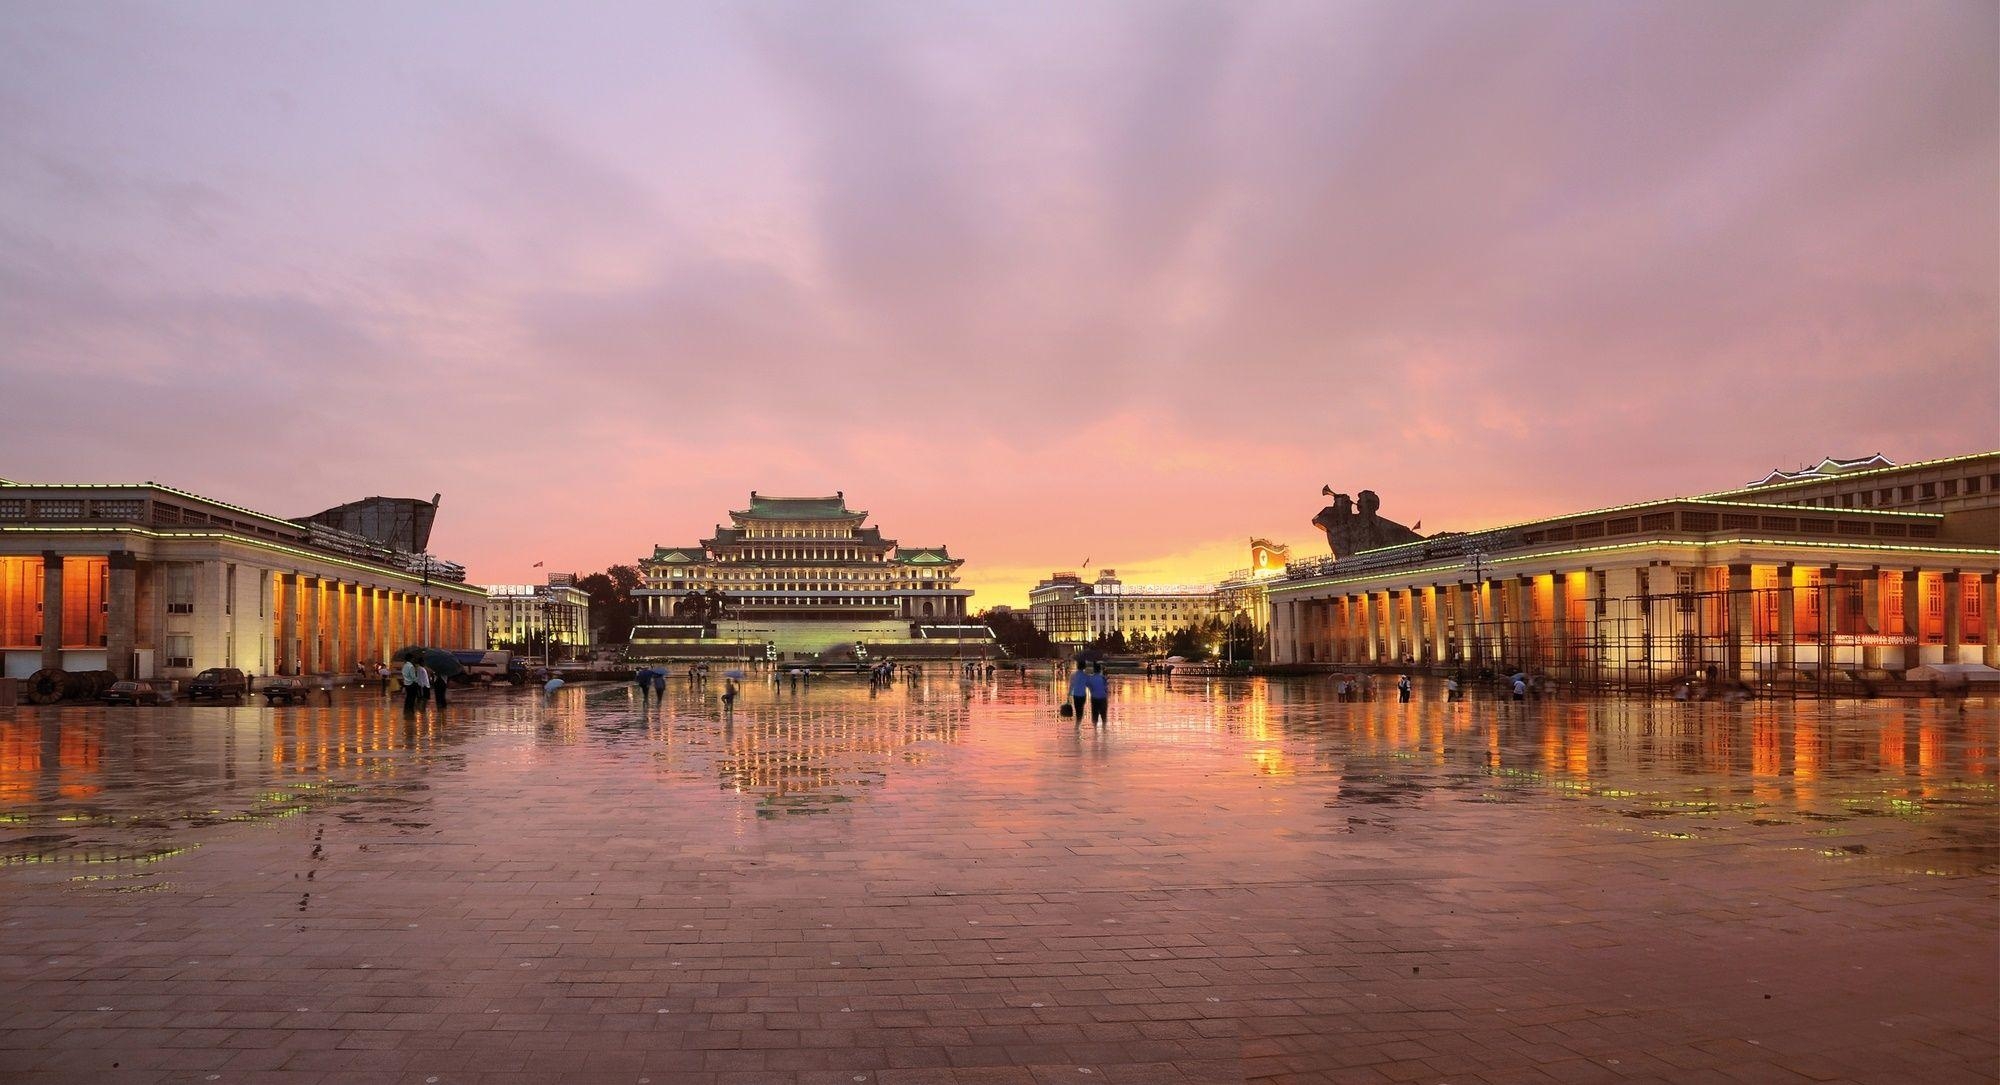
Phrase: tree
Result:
[612,609]
[1018,634]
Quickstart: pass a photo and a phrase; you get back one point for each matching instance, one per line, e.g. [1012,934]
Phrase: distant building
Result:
[1057,607]
[803,576]
[148,581]
[1143,610]
[519,616]
[1073,611]
[1801,577]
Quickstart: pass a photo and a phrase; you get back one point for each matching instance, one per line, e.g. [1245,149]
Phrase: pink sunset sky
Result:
[1117,281]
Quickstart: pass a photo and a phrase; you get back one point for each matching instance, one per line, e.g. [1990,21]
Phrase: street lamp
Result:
[1477,559]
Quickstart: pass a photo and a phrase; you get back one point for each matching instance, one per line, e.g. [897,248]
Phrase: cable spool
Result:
[45,686]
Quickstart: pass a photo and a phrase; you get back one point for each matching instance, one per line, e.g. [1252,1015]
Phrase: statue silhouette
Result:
[1350,530]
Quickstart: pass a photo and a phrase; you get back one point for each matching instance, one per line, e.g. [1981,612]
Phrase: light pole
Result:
[1477,559]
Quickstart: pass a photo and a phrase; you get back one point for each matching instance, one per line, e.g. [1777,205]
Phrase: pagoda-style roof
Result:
[797,508]
[924,555]
[1827,467]
[680,555]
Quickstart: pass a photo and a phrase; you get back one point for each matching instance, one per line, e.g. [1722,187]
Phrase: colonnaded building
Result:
[1848,569]
[148,581]
[804,577]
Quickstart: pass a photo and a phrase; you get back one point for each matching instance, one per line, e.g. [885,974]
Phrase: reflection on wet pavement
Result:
[945,881]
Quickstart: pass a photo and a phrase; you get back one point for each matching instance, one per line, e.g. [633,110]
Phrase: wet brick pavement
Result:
[947,883]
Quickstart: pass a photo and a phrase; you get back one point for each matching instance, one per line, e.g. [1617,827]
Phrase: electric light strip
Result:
[1539,556]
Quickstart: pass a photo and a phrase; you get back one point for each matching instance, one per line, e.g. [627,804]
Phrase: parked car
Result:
[278,691]
[220,683]
[136,693]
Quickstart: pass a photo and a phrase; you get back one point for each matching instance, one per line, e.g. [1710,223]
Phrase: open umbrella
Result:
[441,663]
[738,675]
[1177,659]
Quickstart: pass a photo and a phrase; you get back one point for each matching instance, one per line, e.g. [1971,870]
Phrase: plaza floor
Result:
[945,882]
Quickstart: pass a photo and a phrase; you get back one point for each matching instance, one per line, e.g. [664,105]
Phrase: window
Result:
[1972,484]
[180,590]
[229,592]
[180,650]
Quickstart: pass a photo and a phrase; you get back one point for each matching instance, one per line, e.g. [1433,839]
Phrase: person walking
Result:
[1403,689]
[1100,694]
[415,679]
[729,692]
[1079,691]
[438,683]
[1520,688]
[643,679]
[660,686]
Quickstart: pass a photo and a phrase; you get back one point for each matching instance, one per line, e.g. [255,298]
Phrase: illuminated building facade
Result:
[521,615]
[1073,611]
[803,576]
[1854,565]
[148,581]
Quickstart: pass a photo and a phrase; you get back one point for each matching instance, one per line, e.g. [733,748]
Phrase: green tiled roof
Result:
[679,554]
[923,555]
[796,508]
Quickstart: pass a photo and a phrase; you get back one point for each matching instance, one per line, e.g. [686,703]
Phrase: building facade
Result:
[1075,612]
[799,576]
[1853,566]
[148,581]
[531,616]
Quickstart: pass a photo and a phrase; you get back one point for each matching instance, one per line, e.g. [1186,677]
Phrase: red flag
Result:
[537,565]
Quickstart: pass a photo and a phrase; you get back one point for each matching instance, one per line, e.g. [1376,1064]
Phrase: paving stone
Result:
[945,883]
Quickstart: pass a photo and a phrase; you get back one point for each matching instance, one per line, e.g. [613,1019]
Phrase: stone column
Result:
[1989,620]
[285,599]
[1392,628]
[1530,649]
[1360,613]
[1462,611]
[1954,616]
[312,593]
[1871,619]
[1913,619]
[1832,622]
[1371,642]
[337,627]
[52,610]
[1787,620]
[1741,623]
[121,620]
[1559,622]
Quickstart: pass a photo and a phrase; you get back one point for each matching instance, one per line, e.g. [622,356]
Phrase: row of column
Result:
[1380,628]
[327,625]
[1496,622]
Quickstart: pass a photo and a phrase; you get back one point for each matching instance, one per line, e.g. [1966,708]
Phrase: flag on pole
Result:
[537,565]
[1086,563]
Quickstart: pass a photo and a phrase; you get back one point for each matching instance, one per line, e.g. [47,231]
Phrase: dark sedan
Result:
[135,693]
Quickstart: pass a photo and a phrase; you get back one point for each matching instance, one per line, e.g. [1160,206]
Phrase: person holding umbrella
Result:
[643,678]
[415,682]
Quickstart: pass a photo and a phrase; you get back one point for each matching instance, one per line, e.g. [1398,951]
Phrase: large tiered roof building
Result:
[803,576]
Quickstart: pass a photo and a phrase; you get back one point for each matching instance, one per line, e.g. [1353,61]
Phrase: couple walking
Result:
[420,682]
[1091,686]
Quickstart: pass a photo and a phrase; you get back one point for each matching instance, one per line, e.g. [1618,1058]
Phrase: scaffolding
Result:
[1651,643]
